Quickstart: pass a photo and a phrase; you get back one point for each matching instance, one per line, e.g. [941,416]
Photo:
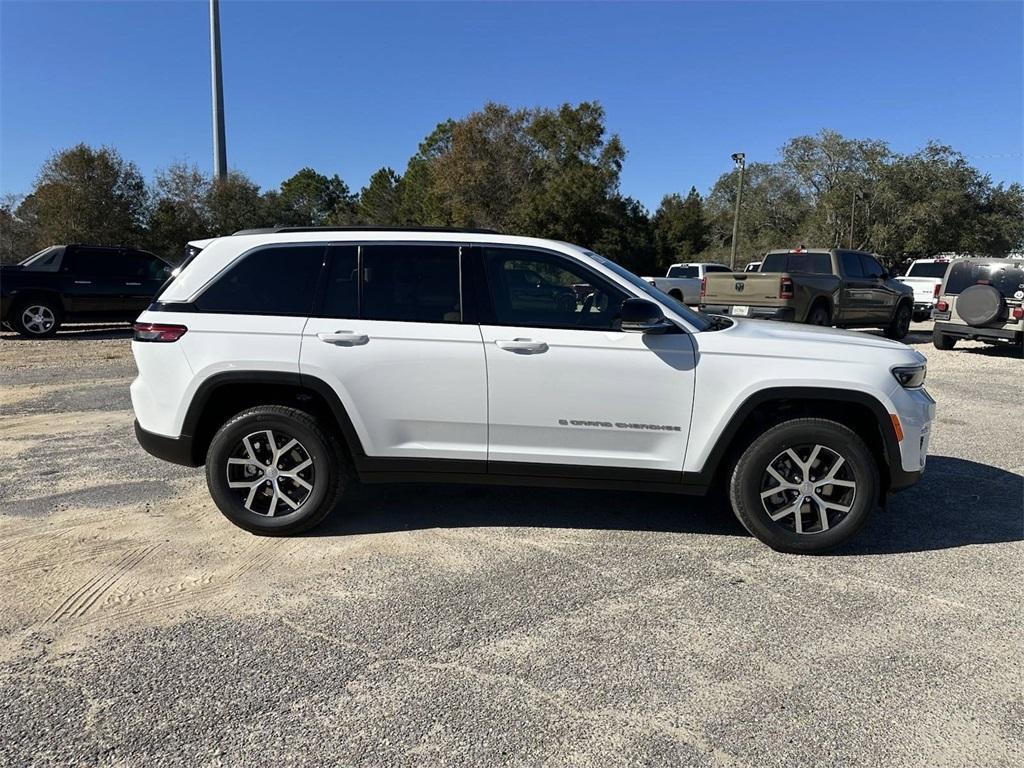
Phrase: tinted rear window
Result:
[278,280]
[933,269]
[1007,278]
[683,272]
[810,263]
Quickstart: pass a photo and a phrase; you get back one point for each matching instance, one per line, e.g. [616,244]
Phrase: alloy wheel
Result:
[271,473]
[37,318]
[808,489]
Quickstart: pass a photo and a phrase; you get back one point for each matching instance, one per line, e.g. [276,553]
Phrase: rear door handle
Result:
[522,346]
[133,283]
[83,282]
[344,338]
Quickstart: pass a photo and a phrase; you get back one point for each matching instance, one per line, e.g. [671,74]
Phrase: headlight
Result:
[910,376]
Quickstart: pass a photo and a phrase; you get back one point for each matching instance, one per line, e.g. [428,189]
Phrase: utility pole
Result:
[853,211]
[738,158]
[220,151]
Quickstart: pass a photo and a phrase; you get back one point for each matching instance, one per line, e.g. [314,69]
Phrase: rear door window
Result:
[1005,277]
[341,290]
[276,280]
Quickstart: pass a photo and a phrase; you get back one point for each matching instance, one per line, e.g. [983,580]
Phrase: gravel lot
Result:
[463,626]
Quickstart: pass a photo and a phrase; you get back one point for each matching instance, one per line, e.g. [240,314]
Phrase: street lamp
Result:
[738,158]
[220,152]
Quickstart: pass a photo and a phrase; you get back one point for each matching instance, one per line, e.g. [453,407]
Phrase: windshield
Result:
[698,320]
[43,258]
[928,269]
[683,272]
[1006,277]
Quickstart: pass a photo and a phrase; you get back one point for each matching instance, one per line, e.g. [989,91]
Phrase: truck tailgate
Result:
[752,288]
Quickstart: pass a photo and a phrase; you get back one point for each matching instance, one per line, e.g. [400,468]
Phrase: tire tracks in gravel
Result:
[80,602]
[207,587]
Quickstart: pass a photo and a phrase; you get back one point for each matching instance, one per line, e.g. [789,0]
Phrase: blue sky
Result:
[348,87]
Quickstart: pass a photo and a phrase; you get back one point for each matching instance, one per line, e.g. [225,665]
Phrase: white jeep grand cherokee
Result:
[294,362]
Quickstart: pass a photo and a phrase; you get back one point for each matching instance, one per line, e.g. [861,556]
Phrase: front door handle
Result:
[522,346]
[133,283]
[83,282]
[344,338]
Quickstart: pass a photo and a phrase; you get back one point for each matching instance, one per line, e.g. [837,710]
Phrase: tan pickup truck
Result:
[848,289]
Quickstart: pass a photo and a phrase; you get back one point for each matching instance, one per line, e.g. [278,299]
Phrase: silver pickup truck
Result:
[683,281]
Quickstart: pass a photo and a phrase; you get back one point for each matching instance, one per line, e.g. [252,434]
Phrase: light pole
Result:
[738,158]
[220,151]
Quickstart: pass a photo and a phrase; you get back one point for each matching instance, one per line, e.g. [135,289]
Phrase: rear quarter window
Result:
[276,280]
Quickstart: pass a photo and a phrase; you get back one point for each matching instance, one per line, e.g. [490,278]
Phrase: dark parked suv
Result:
[78,282]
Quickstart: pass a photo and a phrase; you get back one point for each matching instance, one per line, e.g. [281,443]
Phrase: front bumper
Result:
[787,314]
[915,409]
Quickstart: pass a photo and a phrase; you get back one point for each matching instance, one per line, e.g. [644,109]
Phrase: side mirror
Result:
[643,316]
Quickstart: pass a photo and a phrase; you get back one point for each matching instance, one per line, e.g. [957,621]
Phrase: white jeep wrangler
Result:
[295,362]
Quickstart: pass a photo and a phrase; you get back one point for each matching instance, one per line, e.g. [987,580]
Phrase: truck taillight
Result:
[938,291]
[158,332]
[942,306]
[703,287]
[1018,313]
[785,288]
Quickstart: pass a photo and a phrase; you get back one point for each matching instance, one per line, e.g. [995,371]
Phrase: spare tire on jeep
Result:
[981,305]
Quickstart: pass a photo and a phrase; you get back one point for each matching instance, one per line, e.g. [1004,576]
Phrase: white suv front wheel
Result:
[272,470]
[805,485]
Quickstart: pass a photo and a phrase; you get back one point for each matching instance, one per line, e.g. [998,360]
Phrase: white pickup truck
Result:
[925,277]
[682,281]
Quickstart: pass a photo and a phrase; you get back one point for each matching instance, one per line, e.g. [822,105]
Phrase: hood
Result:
[774,338]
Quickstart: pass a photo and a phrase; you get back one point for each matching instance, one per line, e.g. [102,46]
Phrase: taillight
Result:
[938,290]
[703,287]
[1017,312]
[942,306]
[785,288]
[158,332]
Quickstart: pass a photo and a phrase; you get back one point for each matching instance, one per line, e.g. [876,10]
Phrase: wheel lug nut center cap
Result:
[271,472]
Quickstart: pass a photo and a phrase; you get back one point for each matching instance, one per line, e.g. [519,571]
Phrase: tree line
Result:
[547,173]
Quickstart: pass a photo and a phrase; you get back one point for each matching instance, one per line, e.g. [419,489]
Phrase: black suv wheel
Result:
[272,470]
[36,318]
[900,325]
[805,486]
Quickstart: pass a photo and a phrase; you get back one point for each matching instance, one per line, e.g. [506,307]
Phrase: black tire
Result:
[920,317]
[750,478]
[899,327]
[942,340]
[819,315]
[676,294]
[330,473]
[48,310]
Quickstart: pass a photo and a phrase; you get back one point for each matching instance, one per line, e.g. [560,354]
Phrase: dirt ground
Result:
[430,625]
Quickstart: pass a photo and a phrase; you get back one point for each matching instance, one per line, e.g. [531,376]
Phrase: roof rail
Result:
[278,230]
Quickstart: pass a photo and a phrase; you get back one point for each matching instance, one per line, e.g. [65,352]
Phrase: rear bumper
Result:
[787,314]
[970,332]
[177,450]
